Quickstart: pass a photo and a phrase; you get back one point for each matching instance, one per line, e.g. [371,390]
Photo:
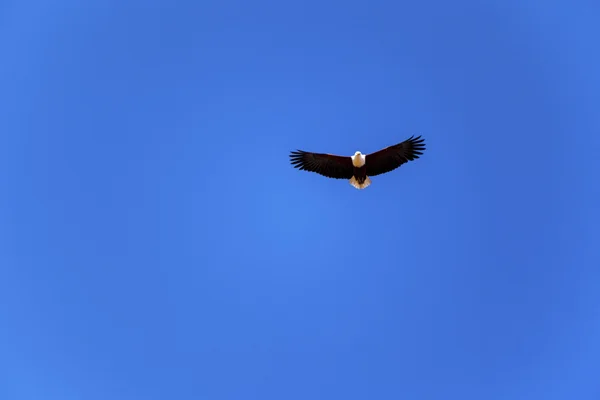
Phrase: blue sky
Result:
[155,243]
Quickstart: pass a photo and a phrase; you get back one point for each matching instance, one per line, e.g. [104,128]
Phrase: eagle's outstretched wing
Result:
[328,165]
[392,157]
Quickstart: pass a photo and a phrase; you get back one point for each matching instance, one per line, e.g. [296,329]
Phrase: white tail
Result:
[357,185]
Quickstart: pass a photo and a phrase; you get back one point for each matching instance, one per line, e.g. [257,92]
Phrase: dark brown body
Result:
[360,174]
[343,167]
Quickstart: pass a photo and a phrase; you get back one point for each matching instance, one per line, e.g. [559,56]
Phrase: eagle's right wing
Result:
[328,165]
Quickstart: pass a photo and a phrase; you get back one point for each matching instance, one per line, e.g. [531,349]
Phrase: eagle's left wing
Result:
[392,157]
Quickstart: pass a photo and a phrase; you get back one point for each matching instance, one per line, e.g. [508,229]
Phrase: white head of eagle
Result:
[359,167]
[358,160]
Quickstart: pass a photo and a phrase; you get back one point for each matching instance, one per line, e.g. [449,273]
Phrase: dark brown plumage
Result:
[358,168]
[392,157]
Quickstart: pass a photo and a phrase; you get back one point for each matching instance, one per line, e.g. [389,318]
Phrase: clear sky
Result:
[155,242]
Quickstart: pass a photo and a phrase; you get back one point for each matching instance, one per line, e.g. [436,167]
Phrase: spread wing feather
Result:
[328,165]
[390,158]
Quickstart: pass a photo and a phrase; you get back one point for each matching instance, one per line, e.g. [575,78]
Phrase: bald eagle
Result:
[358,168]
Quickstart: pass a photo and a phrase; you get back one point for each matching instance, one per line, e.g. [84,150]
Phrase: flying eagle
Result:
[358,168]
